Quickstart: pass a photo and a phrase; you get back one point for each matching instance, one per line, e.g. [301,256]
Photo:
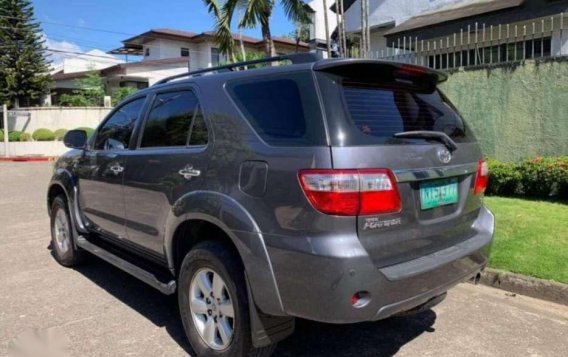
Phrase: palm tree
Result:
[326,21]
[255,12]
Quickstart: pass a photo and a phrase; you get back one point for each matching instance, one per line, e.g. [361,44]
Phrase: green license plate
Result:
[438,193]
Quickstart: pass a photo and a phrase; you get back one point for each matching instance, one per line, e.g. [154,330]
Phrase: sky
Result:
[71,25]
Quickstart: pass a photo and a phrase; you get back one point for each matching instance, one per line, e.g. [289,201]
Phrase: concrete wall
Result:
[516,111]
[40,148]
[54,118]
[199,53]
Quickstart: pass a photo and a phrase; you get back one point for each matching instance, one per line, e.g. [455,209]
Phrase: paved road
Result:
[101,311]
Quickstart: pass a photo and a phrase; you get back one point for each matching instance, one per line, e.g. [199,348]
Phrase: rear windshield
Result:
[383,111]
[283,109]
[372,112]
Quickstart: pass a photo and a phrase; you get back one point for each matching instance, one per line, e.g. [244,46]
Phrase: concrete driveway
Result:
[101,311]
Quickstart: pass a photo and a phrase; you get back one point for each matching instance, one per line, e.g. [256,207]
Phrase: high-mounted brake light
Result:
[351,192]
[482,177]
[411,71]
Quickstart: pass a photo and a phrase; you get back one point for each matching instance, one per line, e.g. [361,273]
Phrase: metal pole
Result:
[525,42]
[483,46]
[552,36]
[516,40]
[533,39]
[491,45]
[468,42]
[476,44]
[416,50]
[5,122]
[561,32]
[542,39]
[499,46]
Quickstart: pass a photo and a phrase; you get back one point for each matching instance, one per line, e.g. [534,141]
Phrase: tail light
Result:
[482,178]
[351,192]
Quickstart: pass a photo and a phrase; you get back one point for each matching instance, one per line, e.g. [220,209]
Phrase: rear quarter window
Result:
[283,109]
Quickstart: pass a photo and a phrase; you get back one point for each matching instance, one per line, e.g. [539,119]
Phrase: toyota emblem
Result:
[444,155]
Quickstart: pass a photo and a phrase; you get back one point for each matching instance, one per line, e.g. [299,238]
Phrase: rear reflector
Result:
[351,192]
[482,178]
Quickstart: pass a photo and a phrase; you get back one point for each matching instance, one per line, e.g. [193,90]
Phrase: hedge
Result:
[59,134]
[12,135]
[43,134]
[26,137]
[539,178]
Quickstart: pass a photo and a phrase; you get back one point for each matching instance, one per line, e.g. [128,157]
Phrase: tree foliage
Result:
[23,65]
[255,12]
[90,92]
[119,94]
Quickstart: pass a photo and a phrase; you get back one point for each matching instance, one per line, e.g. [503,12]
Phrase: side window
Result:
[117,130]
[283,109]
[170,120]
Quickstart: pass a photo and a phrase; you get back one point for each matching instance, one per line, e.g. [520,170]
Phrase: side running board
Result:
[167,288]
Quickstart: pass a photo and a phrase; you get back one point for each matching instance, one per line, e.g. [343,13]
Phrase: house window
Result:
[147,51]
[184,52]
[214,56]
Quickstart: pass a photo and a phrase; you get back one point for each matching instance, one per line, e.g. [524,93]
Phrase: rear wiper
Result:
[431,135]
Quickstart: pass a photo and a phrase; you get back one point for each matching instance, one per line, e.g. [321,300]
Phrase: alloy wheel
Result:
[212,309]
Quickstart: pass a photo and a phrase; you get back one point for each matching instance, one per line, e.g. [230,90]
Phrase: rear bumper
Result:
[320,287]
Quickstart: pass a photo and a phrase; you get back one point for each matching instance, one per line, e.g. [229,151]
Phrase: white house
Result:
[385,15]
[92,60]
[317,26]
[199,49]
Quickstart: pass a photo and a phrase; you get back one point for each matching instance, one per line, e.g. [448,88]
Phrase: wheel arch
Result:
[62,182]
[223,215]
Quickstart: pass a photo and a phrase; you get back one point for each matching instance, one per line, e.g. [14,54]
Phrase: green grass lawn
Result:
[531,237]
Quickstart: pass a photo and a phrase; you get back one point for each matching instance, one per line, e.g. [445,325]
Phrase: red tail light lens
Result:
[482,178]
[351,192]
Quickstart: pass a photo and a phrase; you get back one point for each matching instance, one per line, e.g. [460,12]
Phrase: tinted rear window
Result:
[382,111]
[282,109]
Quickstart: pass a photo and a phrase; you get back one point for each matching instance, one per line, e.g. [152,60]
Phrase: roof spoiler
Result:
[341,65]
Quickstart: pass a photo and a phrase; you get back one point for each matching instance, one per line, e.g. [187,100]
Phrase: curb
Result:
[28,158]
[525,285]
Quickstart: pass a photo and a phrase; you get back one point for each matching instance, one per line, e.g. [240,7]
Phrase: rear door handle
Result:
[116,169]
[188,172]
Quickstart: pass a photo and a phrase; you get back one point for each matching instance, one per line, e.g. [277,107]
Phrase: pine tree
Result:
[23,67]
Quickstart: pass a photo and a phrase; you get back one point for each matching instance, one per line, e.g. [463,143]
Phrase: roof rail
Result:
[295,58]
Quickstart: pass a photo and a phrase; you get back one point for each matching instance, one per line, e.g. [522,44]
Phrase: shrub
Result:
[43,134]
[89,131]
[119,94]
[538,178]
[503,178]
[26,137]
[14,135]
[2,135]
[59,134]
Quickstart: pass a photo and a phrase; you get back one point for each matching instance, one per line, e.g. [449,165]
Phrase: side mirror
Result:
[75,139]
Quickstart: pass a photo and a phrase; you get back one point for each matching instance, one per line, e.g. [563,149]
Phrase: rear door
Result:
[367,105]
[171,160]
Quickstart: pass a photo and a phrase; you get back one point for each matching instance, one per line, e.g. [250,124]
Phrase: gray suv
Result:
[338,191]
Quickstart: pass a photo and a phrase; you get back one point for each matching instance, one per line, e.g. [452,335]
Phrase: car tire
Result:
[215,268]
[63,235]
